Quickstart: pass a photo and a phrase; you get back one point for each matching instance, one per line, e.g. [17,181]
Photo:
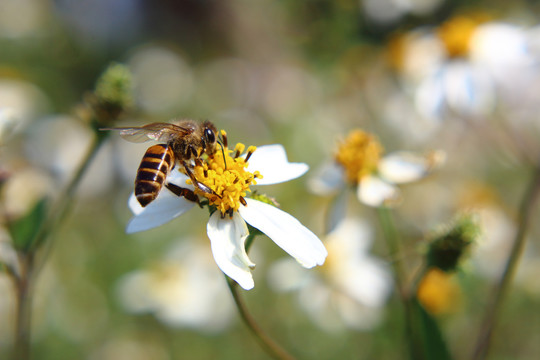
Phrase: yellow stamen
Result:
[359,155]
[239,149]
[224,138]
[225,173]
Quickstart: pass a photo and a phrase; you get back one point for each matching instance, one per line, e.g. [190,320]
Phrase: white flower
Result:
[349,290]
[468,67]
[358,161]
[227,227]
[8,122]
[390,11]
[182,290]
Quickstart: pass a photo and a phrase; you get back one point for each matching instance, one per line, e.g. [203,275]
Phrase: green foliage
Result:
[24,230]
[429,335]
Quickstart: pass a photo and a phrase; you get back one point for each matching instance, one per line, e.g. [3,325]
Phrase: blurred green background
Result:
[298,73]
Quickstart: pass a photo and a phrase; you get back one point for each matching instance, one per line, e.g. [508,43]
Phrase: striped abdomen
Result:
[155,166]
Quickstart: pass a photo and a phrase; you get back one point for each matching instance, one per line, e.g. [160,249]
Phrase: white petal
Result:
[429,97]
[328,179]
[177,178]
[500,46]
[287,232]
[336,210]
[351,237]
[374,191]
[285,275]
[401,167]
[227,238]
[163,209]
[468,89]
[271,161]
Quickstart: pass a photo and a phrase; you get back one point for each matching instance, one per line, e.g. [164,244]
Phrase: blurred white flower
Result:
[164,79]
[23,189]
[25,100]
[473,65]
[59,144]
[8,122]
[493,246]
[495,242]
[389,11]
[349,290]
[359,162]
[230,176]
[183,290]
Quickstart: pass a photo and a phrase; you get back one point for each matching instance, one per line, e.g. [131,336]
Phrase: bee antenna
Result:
[223,152]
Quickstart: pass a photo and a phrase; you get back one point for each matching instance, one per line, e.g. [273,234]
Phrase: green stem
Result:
[23,310]
[65,198]
[420,274]
[266,342]
[394,249]
[396,254]
[29,268]
[490,317]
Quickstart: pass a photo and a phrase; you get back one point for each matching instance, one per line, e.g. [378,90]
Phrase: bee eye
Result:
[210,136]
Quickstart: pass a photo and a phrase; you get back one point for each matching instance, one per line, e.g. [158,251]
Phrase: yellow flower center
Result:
[226,175]
[396,51]
[359,155]
[457,32]
[438,292]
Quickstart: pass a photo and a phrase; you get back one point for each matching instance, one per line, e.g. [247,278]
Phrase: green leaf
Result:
[24,230]
[428,334]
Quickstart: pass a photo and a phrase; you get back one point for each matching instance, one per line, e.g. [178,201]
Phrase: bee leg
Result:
[183,192]
[191,152]
[198,162]
[197,183]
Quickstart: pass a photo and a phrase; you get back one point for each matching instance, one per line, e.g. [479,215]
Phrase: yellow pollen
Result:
[359,155]
[227,177]
[457,32]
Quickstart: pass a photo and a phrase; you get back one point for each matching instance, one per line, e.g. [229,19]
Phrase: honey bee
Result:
[182,142]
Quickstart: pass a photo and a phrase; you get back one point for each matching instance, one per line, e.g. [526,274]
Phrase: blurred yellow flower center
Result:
[396,49]
[438,292]
[457,32]
[359,155]
[225,174]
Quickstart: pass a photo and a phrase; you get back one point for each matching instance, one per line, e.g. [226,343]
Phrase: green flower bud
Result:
[112,96]
[449,245]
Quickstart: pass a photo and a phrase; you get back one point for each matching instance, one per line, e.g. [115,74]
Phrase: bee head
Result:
[209,135]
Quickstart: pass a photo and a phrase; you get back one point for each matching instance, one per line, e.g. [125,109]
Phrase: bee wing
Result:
[163,132]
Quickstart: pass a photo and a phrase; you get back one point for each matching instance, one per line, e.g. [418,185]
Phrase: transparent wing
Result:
[163,132]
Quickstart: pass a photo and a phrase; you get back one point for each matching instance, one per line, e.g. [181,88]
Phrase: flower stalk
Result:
[116,78]
[30,265]
[489,322]
[406,296]
[266,342]
[23,311]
